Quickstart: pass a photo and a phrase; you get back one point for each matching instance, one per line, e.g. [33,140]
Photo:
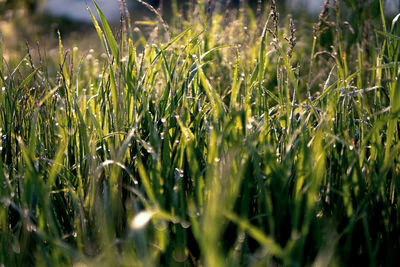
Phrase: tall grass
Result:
[218,143]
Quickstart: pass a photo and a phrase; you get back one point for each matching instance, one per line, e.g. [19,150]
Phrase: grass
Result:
[214,141]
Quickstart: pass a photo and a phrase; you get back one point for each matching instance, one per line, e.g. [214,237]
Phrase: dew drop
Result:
[185,224]
[31,227]
[141,219]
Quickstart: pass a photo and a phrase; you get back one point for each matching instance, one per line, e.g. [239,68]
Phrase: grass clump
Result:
[217,142]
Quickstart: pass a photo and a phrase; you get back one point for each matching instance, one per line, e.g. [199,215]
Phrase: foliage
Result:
[215,142]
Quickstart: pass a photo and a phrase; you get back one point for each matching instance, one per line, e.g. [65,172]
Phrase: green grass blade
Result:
[109,36]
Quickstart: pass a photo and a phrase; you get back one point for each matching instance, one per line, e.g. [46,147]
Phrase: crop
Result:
[219,139]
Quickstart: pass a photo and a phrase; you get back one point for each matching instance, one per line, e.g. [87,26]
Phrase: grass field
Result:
[221,138]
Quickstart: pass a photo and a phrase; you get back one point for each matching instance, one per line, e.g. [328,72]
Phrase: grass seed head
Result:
[320,26]
[292,38]
[275,19]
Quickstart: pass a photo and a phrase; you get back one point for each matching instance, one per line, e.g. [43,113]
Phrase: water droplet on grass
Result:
[141,219]
[31,227]
[185,224]
[180,255]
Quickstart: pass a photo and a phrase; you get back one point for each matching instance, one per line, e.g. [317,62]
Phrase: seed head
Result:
[292,38]
[322,19]
[275,19]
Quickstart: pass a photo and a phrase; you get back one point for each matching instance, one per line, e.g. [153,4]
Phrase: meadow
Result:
[219,137]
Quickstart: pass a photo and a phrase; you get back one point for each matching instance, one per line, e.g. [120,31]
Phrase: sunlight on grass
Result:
[216,139]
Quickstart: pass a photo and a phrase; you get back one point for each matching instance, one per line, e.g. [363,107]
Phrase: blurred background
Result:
[38,21]
[76,9]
